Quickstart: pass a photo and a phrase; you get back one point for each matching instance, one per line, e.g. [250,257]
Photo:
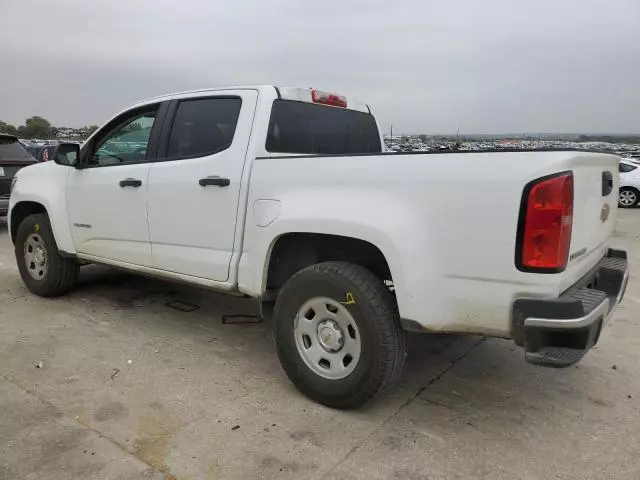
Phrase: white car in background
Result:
[629,183]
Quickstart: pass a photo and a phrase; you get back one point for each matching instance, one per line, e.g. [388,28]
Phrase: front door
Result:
[194,185]
[107,198]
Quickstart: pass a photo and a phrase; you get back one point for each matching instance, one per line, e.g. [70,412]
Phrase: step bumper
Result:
[558,332]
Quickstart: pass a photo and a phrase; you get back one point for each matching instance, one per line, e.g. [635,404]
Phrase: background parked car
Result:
[629,184]
[13,156]
[42,153]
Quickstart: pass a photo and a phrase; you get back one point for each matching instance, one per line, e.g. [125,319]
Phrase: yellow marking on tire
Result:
[350,300]
[36,227]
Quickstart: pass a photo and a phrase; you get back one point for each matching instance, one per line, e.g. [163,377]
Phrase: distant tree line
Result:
[40,128]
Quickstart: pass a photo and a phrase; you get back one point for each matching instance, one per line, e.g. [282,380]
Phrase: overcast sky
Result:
[483,66]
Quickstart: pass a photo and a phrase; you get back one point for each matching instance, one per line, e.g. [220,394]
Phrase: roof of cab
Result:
[288,93]
[168,96]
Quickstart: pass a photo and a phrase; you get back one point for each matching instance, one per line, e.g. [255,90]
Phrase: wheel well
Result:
[21,211]
[630,188]
[295,251]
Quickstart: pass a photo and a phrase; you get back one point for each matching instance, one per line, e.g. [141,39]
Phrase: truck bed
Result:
[448,222]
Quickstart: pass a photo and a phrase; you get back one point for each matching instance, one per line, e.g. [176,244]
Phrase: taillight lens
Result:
[545,224]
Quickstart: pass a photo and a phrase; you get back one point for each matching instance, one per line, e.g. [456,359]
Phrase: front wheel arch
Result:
[22,210]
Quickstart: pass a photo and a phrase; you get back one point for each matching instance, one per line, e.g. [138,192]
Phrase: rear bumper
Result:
[558,332]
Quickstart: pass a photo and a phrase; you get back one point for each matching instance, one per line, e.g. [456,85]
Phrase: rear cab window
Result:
[307,128]
[12,149]
[13,156]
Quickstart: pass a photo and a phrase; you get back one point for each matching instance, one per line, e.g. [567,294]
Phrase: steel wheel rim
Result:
[35,256]
[327,338]
[627,198]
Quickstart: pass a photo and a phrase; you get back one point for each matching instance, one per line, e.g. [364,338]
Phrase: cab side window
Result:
[203,126]
[624,168]
[127,142]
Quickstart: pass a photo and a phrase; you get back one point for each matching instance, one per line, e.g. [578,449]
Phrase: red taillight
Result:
[545,225]
[328,99]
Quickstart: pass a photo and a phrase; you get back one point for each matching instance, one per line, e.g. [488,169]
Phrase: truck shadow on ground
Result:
[236,319]
[444,368]
[457,391]
[466,368]
[456,372]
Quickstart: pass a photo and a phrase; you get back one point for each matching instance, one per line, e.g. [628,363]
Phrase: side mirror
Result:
[67,154]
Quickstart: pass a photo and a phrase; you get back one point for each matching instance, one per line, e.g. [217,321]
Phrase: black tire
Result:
[629,190]
[61,273]
[374,310]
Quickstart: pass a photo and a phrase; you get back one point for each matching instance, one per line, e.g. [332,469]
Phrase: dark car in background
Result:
[13,157]
[42,153]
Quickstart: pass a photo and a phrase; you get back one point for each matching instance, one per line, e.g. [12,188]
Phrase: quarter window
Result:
[307,128]
[203,127]
[625,167]
[12,149]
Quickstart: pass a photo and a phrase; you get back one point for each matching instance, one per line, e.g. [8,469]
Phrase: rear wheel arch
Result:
[292,252]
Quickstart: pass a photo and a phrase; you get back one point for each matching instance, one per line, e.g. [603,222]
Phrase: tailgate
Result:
[595,187]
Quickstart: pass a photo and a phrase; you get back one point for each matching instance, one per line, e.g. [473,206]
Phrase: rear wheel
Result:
[338,334]
[43,270]
[628,197]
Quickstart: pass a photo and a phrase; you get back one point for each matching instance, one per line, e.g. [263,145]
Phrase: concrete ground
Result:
[132,388]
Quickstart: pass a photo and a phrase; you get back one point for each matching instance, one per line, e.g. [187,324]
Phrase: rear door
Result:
[194,185]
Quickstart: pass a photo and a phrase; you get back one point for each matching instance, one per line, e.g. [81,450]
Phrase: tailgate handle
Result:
[607,183]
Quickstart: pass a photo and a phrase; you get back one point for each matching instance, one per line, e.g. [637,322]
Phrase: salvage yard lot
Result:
[132,386]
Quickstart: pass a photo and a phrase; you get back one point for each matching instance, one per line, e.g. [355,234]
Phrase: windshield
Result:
[12,149]
[306,128]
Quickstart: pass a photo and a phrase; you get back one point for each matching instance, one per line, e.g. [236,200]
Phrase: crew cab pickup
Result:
[286,195]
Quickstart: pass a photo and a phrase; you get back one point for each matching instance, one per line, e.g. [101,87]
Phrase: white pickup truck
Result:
[286,195]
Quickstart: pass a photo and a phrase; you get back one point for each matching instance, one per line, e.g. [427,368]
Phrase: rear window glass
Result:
[305,128]
[12,149]
[625,167]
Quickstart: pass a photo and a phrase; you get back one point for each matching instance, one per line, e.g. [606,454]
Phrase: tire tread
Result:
[63,272]
[392,343]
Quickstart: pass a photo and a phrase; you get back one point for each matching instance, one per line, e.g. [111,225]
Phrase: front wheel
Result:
[43,270]
[338,334]
[628,197]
